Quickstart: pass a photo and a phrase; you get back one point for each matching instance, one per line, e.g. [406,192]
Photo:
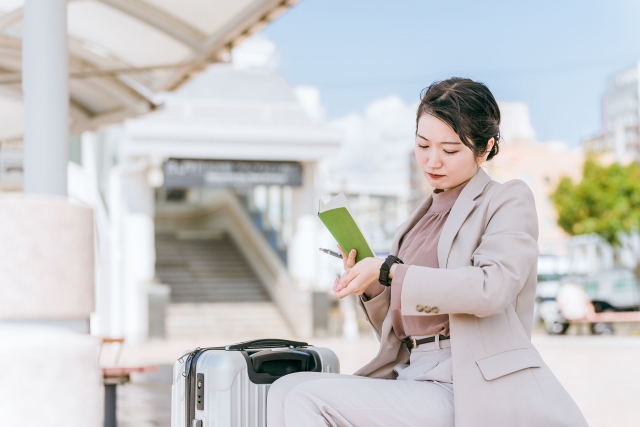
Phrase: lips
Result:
[434,176]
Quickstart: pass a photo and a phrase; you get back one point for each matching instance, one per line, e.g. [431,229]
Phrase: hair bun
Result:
[469,108]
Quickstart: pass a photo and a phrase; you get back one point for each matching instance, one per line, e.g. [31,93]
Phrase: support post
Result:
[45,87]
[110,405]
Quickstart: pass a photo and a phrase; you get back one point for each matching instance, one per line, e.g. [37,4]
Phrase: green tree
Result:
[605,202]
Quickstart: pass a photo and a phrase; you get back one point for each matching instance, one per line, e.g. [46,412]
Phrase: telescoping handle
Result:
[265,343]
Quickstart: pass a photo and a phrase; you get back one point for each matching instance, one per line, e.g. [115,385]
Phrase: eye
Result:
[423,146]
[450,152]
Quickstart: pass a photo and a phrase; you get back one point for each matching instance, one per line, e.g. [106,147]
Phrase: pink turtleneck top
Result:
[420,247]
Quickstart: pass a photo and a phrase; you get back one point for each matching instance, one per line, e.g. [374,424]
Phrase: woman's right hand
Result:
[348,261]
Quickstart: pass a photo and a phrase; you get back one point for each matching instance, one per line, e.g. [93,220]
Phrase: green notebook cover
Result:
[343,227]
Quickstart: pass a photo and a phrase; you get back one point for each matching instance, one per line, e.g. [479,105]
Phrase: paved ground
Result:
[146,401]
[601,373]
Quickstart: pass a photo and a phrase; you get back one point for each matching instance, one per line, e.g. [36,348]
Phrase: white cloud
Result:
[375,155]
[256,52]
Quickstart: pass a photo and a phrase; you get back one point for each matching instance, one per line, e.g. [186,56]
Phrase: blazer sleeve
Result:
[376,309]
[501,264]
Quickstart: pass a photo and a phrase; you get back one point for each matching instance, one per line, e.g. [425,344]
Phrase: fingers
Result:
[337,286]
[348,290]
[357,280]
[341,290]
[348,261]
[351,261]
[350,283]
[346,277]
[341,284]
[344,257]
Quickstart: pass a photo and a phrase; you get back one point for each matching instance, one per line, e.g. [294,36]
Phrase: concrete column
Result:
[132,251]
[306,263]
[45,85]
[305,198]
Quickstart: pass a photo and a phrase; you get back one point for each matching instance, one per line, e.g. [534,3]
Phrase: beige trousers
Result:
[309,399]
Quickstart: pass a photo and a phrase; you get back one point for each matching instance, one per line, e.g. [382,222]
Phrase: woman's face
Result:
[444,160]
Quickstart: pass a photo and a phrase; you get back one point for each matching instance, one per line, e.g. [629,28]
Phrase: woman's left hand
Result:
[358,278]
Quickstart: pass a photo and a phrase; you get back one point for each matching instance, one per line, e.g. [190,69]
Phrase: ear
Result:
[489,148]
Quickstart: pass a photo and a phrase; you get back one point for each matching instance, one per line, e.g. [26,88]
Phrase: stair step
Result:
[214,291]
[212,270]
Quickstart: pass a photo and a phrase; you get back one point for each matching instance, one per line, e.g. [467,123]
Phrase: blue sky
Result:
[554,55]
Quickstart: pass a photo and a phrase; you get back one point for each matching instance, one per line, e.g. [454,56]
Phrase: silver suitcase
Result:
[228,386]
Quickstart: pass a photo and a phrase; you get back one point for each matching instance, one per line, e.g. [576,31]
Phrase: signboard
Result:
[185,173]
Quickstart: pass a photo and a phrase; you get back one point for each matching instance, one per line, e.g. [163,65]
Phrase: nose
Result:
[434,161]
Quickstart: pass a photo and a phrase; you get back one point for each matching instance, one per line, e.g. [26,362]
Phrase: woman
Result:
[453,300]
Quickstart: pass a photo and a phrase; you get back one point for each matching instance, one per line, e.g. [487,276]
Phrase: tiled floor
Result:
[146,400]
[601,373]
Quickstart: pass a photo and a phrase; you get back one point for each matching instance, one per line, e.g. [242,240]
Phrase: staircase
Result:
[214,291]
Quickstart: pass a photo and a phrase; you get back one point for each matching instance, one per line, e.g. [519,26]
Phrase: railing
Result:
[274,237]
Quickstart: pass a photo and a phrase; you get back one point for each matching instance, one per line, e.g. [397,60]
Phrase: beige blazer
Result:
[486,282]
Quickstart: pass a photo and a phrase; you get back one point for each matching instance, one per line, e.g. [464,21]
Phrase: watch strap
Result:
[386,267]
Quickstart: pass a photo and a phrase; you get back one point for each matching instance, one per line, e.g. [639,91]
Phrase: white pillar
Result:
[45,85]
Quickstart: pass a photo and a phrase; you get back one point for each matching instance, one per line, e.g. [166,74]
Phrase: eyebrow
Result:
[444,142]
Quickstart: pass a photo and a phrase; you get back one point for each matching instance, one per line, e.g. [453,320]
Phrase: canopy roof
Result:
[122,52]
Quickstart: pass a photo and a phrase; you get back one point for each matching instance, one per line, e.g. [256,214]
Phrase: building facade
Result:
[620,134]
[209,203]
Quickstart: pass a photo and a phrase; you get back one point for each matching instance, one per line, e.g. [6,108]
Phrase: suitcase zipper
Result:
[189,373]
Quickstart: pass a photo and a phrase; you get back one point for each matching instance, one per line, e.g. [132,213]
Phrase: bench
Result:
[114,376]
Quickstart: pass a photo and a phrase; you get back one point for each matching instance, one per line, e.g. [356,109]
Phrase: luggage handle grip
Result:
[265,356]
[265,343]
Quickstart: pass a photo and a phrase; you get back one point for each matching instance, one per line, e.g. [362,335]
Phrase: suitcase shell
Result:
[228,386]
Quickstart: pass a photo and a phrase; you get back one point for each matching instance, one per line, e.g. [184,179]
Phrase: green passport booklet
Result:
[342,225]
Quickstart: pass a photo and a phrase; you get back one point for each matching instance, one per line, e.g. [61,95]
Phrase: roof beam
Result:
[249,22]
[160,20]
[10,18]
[16,77]
[115,84]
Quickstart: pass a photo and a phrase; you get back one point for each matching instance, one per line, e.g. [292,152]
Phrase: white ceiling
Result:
[122,52]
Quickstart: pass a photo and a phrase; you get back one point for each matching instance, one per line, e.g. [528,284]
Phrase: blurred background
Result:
[161,163]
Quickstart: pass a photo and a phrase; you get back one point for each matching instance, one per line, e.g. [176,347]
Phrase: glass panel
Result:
[591,287]
[625,285]
[75,149]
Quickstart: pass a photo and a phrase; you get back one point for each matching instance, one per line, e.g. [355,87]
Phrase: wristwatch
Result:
[385,267]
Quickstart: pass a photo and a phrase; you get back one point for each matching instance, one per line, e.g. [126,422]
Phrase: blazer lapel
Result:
[459,213]
[408,224]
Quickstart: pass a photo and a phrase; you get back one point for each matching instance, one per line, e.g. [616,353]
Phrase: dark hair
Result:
[468,107]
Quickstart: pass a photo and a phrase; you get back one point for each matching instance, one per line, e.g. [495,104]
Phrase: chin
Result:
[440,184]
